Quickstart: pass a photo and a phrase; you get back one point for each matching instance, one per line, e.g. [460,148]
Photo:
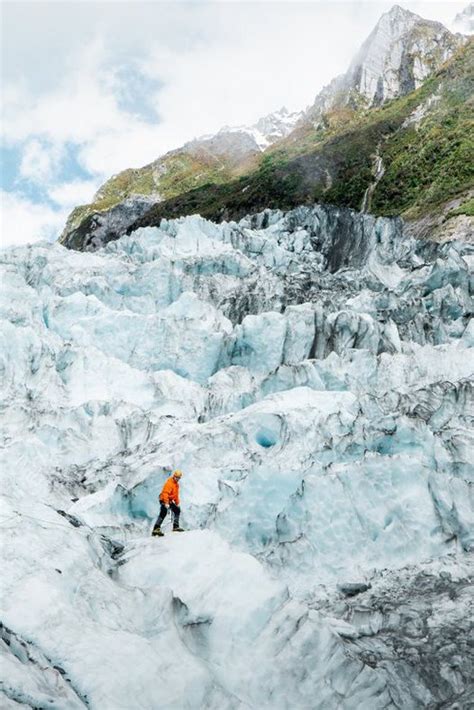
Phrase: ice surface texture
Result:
[311,373]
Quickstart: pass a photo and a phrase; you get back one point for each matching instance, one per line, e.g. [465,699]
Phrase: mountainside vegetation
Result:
[169,176]
[425,140]
[414,154]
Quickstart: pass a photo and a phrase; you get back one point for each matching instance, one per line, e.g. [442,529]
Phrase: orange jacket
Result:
[170,492]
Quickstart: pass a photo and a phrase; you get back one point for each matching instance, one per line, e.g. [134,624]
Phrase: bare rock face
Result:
[98,228]
[399,54]
[442,226]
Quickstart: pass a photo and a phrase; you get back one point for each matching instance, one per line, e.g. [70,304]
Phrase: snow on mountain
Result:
[238,141]
[311,373]
[275,126]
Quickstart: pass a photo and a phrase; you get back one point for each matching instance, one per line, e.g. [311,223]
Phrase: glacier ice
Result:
[311,373]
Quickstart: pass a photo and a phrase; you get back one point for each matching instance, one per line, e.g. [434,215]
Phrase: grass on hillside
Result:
[426,163]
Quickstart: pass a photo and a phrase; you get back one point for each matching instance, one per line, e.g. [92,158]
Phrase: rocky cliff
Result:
[399,54]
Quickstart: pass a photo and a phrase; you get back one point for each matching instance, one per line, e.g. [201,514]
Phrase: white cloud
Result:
[70,194]
[39,161]
[82,111]
[23,221]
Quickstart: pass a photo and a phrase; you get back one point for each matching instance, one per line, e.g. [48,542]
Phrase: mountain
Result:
[399,54]
[337,142]
[248,140]
[214,158]
[412,157]
[311,372]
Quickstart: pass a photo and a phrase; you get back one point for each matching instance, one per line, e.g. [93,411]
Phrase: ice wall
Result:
[311,373]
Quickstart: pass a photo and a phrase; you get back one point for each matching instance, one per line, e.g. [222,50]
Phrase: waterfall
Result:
[378,171]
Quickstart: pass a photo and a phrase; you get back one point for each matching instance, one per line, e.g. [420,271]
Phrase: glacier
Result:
[311,373]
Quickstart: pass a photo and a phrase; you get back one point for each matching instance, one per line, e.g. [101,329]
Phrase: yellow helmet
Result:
[177,473]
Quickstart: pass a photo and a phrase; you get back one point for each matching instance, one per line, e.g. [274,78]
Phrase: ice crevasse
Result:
[311,374]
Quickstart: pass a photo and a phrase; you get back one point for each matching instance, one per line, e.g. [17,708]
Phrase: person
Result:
[169,499]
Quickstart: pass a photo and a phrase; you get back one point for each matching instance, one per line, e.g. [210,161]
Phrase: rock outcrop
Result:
[399,54]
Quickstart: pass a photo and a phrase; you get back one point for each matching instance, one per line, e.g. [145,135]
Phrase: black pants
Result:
[175,509]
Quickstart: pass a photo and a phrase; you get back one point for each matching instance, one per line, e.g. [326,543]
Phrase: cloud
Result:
[92,109]
[70,194]
[24,222]
[136,93]
[39,161]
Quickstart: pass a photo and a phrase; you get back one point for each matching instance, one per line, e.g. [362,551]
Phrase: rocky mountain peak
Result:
[237,143]
[268,129]
[277,125]
[402,50]
[392,26]
[399,13]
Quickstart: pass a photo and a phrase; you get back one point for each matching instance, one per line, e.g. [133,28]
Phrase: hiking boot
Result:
[178,529]
[157,532]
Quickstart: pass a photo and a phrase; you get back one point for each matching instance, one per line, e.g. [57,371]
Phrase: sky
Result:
[91,88]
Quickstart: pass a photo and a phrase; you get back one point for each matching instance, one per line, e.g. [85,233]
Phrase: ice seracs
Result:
[311,374]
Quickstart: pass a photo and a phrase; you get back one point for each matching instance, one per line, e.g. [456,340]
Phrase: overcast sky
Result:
[91,88]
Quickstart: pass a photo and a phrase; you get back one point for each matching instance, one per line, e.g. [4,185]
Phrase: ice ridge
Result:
[311,373]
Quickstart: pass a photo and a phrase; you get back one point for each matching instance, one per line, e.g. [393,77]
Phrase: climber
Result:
[169,498]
